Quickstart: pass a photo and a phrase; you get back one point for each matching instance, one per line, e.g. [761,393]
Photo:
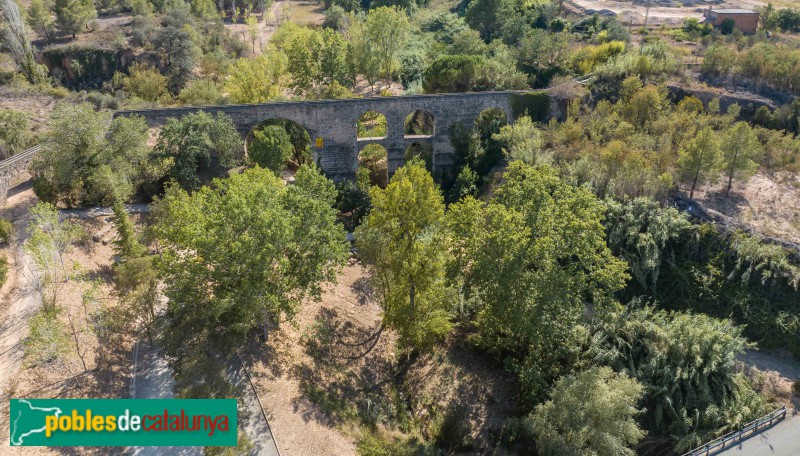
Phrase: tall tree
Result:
[487,16]
[739,145]
[40,18]
[377,42]
[687,363]
[402,239]
[72,16]
[257,80]
[15,35]
[701,159]
[240,255]
[271,148]
[534,256]
[50,241]
[591,412]
[191,142]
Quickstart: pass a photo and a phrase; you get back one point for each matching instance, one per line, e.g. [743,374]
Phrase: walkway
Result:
[152,379]
[783,439]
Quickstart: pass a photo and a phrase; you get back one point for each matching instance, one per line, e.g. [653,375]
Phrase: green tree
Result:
[201,92]
[534,255]
[40,19]
[72,16]
[50,241]
[84,162]
[271,148]
[317,59]
[258,80]
[16,41]
[687,363]
[401,239]
[523,141]
[591,412]
[126,245]
[740,145]
[701,159]
[240,255]
[378,42]
[644,234]
[176,41]
[146,83]
[14,132]
[488,16]
[452,73]
[191,141]
[76,136]
[252,30]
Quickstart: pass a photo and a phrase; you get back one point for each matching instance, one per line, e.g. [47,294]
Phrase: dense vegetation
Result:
[551,247]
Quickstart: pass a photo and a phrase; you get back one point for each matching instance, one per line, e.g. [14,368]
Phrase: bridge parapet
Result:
[332,123]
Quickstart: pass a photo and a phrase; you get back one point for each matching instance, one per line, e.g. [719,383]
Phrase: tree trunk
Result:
[730,177]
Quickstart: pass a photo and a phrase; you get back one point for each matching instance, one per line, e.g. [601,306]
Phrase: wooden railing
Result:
[737,436]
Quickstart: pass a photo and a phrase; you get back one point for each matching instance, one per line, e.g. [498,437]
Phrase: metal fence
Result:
[737,436]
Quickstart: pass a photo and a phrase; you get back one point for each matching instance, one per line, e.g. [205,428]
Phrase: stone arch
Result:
[373,165]
[423,150]
[486,124]
[299,135]
[371,125]
[419,123]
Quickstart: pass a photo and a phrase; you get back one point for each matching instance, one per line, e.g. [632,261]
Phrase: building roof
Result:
[733,11]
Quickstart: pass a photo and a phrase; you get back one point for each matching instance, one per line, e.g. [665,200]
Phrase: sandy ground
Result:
[107,360]
[301,12]
[35,104]
[17,304]
[279,368]
[768,203]
[774,372]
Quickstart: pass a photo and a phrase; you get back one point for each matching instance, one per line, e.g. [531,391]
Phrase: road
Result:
[152,379]
[783,439]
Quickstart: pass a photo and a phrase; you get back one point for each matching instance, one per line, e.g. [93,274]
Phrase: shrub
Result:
[7,231]
[3,270]
[14,133]
[271,148]
[536,105]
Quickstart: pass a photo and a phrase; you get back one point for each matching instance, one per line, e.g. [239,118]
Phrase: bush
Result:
[3,270]
[452,73]
[14,132]
[536,105]
[7,231]
[270,148]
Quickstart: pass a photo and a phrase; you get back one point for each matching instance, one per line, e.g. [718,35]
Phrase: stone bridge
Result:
[12,168]
[331,124]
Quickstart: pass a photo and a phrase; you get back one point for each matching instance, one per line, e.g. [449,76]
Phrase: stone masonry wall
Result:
[335,122]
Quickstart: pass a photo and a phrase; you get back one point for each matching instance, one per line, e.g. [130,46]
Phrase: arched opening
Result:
[419,123]
[422,150]
[371,125]
[486,125]
[298,136]
[373,166]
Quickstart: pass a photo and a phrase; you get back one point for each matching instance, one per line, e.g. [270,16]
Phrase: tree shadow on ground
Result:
[362,287]
[732,206]
[350,372]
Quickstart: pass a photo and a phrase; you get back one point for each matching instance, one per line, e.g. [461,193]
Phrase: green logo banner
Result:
[123,422]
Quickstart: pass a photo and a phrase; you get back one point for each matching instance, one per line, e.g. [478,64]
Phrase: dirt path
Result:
[18,301]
